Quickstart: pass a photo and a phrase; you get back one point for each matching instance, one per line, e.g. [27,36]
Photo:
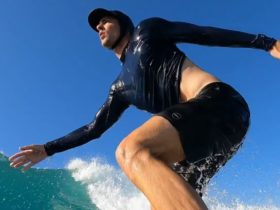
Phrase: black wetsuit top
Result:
[151,72]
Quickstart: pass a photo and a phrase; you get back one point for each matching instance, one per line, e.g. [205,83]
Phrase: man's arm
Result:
[211,36]
[104,119]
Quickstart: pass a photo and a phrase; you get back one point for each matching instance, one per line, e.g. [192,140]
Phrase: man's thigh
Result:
[159,137]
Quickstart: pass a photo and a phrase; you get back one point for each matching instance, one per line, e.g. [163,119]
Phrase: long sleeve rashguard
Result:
[105,118]
[151,72]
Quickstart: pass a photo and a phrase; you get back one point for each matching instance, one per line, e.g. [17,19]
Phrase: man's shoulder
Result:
[151,22]
[151,27]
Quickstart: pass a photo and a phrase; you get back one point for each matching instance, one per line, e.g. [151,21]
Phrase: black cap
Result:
[96,15]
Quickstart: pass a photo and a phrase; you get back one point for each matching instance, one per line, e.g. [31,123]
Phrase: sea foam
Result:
[107,186]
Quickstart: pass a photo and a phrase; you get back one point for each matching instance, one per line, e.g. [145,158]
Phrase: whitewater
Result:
[92,184]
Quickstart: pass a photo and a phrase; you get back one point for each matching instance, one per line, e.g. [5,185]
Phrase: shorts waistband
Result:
[221,90]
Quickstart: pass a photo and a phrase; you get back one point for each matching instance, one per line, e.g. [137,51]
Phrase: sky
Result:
[55,75]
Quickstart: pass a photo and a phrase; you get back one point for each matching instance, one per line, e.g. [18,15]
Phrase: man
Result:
[199,122]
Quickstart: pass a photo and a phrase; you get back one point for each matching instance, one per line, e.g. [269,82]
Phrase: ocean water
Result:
[40,189]
[83,185]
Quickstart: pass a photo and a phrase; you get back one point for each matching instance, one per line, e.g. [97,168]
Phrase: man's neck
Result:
[121,46]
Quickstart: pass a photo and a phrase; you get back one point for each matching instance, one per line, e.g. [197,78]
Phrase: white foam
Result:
[108,188]
[216,204]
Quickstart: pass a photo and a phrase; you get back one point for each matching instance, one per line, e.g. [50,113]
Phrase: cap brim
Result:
[96,15]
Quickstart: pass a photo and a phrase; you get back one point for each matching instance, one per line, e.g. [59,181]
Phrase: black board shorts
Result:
[212,127]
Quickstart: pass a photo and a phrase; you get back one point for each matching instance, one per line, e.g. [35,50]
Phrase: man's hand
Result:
[28,156]
[275,51]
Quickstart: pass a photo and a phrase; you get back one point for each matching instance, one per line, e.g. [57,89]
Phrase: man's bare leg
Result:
[153,208]
[144,156]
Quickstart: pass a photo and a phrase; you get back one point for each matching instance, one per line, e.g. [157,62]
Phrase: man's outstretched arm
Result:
[104,119]
[205,35]
[107,115]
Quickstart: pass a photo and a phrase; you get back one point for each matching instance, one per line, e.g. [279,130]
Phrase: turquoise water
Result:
[40,189]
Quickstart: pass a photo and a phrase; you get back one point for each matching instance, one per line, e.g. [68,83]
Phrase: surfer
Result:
[198,121]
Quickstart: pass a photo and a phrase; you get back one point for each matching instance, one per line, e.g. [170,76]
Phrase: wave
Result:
[108,188]
[92,184]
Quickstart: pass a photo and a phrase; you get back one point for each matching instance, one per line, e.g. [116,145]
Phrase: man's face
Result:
[109,31]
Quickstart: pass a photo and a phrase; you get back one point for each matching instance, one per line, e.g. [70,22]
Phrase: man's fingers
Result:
[28,166]
[19,159]
[19,164]
[27,147]
[25,152]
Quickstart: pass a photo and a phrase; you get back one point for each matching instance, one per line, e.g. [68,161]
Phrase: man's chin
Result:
[106,45]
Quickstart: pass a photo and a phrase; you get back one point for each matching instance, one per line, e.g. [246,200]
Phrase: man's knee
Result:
[132,156]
